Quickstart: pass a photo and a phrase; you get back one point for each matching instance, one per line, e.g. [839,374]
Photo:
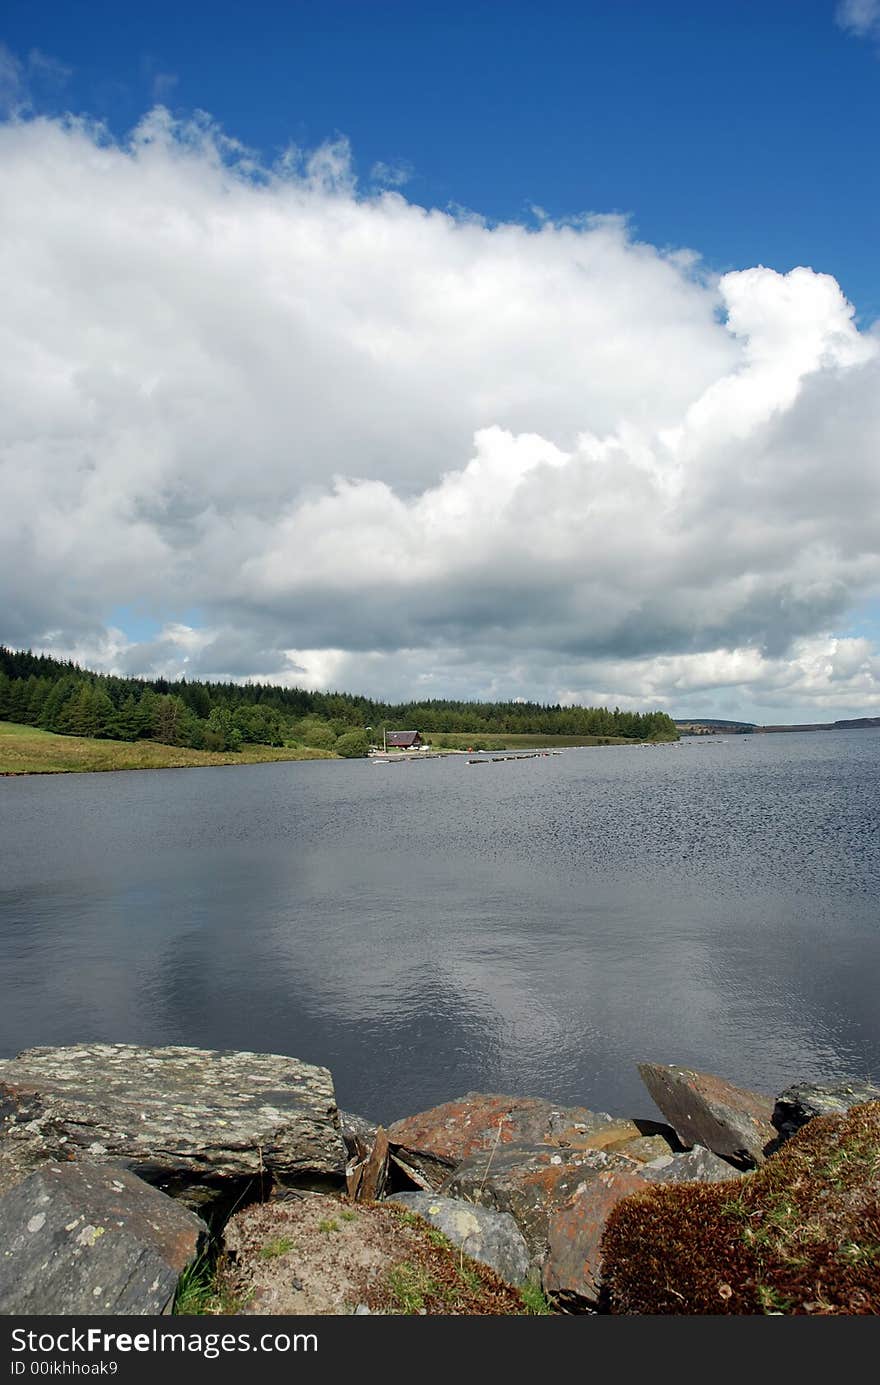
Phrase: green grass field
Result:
[26,750]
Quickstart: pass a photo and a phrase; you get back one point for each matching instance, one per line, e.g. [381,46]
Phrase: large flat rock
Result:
[429,1145]
[180,1117]
[707,1110]
[88,1238]
[531,1182]
[492,1238]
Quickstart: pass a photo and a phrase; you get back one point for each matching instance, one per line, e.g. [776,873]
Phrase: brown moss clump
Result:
[801,1235]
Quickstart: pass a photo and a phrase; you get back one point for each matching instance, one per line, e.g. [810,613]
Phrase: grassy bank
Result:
[26,750]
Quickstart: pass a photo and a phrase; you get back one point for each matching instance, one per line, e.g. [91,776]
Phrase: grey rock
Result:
[492,1238]
[186,1119]
[803,1101]
[707,1110]
[87,1238]
[698,1165]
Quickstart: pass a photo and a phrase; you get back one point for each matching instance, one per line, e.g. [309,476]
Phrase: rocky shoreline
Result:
[123,1170]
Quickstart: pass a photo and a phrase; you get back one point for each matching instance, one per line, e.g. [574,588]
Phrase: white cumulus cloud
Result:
[403,450]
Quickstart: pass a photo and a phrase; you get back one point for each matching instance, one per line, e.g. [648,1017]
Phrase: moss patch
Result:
[801,1235]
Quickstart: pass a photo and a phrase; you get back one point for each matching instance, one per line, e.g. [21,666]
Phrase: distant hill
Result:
[714,726]
[856,724]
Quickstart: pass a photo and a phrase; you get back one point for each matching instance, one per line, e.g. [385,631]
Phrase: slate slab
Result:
[707,1110]
[492,1238]
[87,1238]
[358,1133]
[183,1118]
[375,1169]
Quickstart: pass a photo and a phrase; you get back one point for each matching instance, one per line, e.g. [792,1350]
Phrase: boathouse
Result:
[403,740]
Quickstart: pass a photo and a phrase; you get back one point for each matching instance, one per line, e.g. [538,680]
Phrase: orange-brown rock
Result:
[431,1144]
[572,1271]
[532,1182]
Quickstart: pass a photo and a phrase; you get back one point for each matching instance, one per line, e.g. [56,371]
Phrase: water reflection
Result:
[538,927]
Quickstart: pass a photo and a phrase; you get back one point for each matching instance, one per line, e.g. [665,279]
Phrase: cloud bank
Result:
[334,438]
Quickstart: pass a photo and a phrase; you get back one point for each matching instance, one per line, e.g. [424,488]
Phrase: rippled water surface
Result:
[428,928]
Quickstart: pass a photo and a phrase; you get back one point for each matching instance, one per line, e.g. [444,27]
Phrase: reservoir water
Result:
[425,929]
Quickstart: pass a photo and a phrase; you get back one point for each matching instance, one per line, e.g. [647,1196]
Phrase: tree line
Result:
[57,695]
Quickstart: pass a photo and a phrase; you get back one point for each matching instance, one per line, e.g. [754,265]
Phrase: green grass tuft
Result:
[273,1249]
[200,1291]
[535,1300]
[411,1286]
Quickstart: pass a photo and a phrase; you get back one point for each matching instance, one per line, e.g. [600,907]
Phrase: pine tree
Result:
[36,700]
[128,723]
[54,716]
[105,716]
[168,719]
[82,718]
[146,713]
[17,700]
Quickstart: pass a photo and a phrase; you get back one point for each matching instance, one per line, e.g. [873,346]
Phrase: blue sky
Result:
[288,426]
[746,130]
